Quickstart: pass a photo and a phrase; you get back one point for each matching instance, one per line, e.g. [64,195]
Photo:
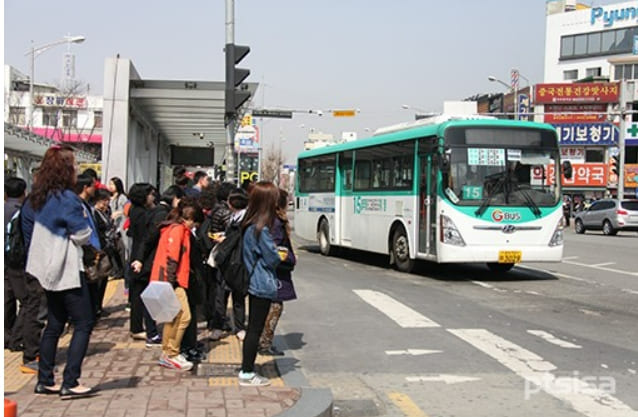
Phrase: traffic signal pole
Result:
[625,119]
[230,119]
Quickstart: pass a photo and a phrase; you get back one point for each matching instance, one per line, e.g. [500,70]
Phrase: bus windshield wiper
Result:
[498,185]
[530,201]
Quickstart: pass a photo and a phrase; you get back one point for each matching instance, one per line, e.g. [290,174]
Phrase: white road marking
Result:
[553,339]
[602,268]
[403,315]
[603,264]
[631,371]
[628,291]
[583,397]
[413,352]
[447,378]
[486,285]
[570,257]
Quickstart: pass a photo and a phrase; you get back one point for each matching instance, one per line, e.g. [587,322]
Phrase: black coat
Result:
[144,229]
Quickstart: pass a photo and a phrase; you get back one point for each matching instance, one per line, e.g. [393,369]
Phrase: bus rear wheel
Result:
[499,268]
[323,236]
[401,251]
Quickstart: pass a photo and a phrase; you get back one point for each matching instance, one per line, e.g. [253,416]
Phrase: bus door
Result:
[428,168]
[344,194]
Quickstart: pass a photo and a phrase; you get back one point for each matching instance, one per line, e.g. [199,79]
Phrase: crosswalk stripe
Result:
[583,397]
[403,315]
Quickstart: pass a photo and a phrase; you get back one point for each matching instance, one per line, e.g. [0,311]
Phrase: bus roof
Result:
[417,130]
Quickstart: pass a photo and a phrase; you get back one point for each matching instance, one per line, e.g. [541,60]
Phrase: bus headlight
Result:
[449,233]
[557,237]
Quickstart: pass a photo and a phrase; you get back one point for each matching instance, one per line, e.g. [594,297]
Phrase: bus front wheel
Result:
[401,251]
[323,236]
[499,268]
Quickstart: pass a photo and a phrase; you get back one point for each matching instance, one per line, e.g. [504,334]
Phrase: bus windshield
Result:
[504,174]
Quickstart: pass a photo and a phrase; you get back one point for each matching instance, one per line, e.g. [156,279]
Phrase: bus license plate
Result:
[510,256]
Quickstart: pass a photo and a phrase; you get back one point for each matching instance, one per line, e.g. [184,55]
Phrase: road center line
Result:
[548,337]
[406,405]
[403,315]
[604,264]
[583,397]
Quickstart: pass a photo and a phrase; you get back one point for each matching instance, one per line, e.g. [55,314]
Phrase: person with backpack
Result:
[286,289]
[172,264]
[25,328]
[55,228]
[261,259]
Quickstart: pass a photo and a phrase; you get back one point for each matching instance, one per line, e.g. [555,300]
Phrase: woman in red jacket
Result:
[172,264]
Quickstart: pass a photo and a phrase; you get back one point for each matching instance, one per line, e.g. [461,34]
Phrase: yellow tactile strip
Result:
[14,380]
[229,351]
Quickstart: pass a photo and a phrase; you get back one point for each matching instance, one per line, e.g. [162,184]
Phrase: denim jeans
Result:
[74,306]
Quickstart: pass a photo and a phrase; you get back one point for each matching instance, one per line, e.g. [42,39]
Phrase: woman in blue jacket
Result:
[261,259]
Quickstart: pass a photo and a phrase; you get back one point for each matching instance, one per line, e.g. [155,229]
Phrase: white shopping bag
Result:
[160,301]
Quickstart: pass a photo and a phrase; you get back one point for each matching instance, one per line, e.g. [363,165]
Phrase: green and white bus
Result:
[444,189]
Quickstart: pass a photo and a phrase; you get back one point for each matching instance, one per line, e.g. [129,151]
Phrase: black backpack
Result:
[229,259]
[15,252]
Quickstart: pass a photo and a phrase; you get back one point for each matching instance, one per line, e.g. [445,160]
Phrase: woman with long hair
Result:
[286,289]
[116,204]
[261,259]
[142,196]
[56,228]
[172,264]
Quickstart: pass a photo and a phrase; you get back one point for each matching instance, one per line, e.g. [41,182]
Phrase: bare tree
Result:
[271,164]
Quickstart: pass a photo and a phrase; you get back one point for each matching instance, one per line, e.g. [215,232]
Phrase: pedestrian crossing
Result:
[585,395]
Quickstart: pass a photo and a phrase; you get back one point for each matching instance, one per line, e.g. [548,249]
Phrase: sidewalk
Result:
[132,384]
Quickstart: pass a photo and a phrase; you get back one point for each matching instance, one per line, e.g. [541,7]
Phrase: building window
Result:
[570,75]
[608,42]
[625,72]
[594,155]
[69,118]
[97,119]
[17,116]
[592,72]
[50,118]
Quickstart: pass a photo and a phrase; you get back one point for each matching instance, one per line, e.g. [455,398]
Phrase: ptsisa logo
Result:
[500,215]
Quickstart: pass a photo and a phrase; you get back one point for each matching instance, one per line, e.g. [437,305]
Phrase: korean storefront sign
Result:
[584,175]
[575,113]
[577,93]
[631,175]
[60,101]
[604,134]
[572,154]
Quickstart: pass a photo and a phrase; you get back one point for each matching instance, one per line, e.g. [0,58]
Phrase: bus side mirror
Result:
[444,165]
[567,169]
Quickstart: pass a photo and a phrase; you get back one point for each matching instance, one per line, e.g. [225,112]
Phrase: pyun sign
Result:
[609,17]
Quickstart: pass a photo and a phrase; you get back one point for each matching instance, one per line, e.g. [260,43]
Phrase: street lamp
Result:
[494,79]
[36,51]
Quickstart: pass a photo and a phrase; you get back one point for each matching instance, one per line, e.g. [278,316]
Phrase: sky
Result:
[371,55]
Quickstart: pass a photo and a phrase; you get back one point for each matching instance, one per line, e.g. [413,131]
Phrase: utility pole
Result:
[230,121]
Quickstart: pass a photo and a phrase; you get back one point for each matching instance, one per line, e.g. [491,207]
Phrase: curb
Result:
[314,402]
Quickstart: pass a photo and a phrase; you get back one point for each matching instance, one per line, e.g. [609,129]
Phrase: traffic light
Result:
[615,164]
[236,93]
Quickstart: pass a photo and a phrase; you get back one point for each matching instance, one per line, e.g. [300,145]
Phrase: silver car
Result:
[608,215]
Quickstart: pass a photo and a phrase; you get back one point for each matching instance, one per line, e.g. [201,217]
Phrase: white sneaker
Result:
[253,379]
[241,335]
[179,362]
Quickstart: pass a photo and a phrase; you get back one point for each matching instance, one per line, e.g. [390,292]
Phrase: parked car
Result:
[608,215]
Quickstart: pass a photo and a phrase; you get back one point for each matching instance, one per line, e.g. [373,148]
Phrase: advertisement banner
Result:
[247,139]
[52,100]
[575,113]
[584,175]
[577,93]
[587,134]
[631,175]
[572,154]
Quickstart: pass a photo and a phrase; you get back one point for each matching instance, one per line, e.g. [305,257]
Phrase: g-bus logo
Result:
[500,215]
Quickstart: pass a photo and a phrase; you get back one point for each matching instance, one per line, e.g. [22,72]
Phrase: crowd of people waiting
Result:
[79,233]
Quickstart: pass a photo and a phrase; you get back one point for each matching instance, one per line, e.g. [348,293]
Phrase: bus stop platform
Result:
[132,384]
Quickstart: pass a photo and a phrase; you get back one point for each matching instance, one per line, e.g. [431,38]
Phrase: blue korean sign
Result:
[523,107]
[587,134]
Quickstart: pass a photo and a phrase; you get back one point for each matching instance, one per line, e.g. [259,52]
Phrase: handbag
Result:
[211,257]
[97,264]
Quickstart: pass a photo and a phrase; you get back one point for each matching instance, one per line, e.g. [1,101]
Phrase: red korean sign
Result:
[575,113]
[583,175]
[577,93]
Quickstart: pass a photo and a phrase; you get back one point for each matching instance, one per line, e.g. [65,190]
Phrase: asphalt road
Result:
[458,340]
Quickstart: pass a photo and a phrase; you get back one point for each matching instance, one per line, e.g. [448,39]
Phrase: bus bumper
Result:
[454,254]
